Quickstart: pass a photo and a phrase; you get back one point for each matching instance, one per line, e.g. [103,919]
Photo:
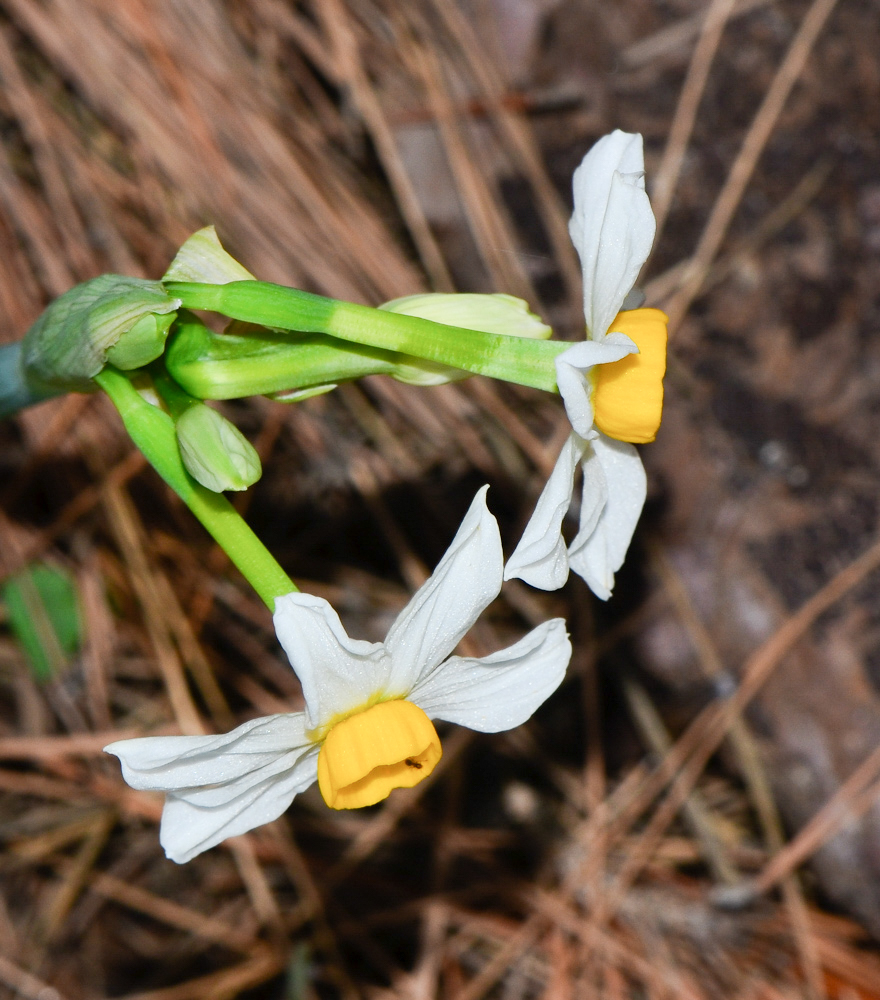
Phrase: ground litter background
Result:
[693,814]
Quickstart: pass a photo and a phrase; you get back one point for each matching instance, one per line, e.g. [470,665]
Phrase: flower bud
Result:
[143,343]
[69,344]
[214,451]
[496,313]
[202,258]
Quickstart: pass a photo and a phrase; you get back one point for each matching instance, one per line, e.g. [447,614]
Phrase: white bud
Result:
[496,313]
[202,258]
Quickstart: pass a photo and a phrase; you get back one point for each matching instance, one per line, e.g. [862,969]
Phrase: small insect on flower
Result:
[367,726]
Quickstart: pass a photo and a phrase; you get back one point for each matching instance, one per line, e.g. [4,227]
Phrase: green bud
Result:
[202,258]
[143,343]
[214,451]
[69,343]
[496,313]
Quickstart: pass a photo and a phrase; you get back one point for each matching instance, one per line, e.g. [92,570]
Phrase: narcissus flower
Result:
[611,384]
[367,725]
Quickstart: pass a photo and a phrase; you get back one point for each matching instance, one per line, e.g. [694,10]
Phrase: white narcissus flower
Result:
[366,729]
[611,384]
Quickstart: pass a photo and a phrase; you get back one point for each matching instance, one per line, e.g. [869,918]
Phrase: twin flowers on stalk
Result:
[367,726]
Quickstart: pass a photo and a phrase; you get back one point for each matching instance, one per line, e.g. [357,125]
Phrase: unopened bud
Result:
[202,258]
[143,343]
[214,451]
[496,313]
[70,342]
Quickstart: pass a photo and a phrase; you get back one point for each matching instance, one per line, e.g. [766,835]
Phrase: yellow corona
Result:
[392,744]
[628,394]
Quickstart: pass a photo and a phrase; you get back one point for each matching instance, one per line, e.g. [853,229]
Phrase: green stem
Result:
[152,430]
[15,391]
[228,366]
[177,400]
[513,359]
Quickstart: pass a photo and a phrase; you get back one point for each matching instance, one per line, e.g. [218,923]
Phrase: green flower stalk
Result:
[16,392]
[251,358]
[152,430]
[291,361]
[511,358]
[248,360]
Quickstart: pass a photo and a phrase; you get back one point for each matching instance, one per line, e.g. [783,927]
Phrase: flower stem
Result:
[152,430]
[228,366]
[513,359]
[15,392]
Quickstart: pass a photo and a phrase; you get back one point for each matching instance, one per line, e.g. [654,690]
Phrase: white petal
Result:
[190,826]
[466,581]
[167,762]
[597,555]
[500,691]
[627,237]
[572,379]
[337,673]
[612,226]
[617,151]
[594,497]
[541,558]
[220,786]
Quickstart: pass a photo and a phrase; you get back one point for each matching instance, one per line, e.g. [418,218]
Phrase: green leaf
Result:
[44,617]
